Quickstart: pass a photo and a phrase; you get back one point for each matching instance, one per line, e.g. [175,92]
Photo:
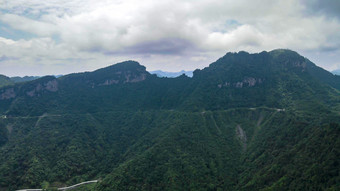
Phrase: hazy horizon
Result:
[150,71]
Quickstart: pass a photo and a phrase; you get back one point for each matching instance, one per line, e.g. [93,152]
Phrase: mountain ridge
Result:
[248,84]
[246,122]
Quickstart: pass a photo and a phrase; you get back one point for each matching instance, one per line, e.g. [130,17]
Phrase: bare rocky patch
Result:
[241,134]
[7,94]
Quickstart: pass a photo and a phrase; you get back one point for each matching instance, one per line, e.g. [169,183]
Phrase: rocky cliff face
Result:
[246,82]
[125,77]
[51,86]
[31,89]
[7,93]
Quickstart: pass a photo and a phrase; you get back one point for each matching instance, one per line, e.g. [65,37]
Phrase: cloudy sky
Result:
[39,37]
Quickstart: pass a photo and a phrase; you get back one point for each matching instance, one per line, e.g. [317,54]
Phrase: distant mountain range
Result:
[337,72]
[264,121]
[161,73]
[17,79]
[4,80]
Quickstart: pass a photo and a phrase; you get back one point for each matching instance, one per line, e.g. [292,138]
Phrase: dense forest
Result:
[265,121]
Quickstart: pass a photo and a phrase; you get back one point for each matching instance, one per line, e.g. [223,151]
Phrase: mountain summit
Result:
[264,121]
[124,72]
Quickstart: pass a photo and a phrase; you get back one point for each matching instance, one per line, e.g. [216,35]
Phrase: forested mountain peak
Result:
[123,72]
[236,66]
[4,81]
[272,79]
[120,73]
[282,59]
[246,122]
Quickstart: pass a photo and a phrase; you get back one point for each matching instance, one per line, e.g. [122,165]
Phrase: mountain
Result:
[265,121]
[17,79]
[5,81]
[336,72]
[161,73]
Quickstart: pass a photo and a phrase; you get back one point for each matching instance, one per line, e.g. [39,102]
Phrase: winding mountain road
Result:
[64,188]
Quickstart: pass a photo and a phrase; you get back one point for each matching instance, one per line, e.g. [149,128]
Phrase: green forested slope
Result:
[266,121]
[5,81]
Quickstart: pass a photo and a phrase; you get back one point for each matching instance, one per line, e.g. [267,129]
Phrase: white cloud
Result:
[28,25]
[4,41]
[87,34]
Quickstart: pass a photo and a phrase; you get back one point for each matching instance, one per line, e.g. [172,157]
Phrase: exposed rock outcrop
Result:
[246,82]
[241,134]
[125,77]
[7,94]
[51,86]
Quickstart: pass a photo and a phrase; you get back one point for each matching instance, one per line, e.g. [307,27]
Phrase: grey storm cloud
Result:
[163,46]
[330,8]
[173,46]
[6,58]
